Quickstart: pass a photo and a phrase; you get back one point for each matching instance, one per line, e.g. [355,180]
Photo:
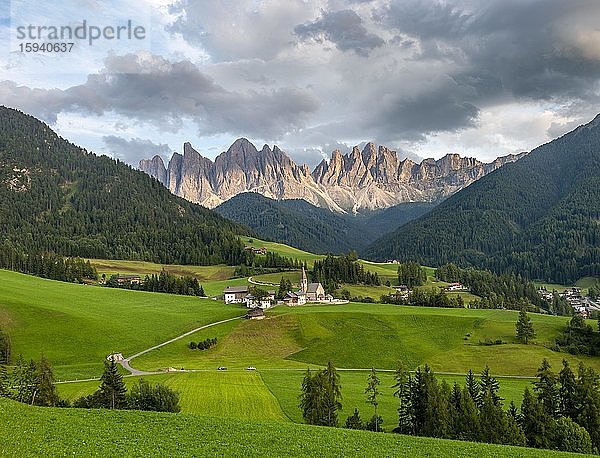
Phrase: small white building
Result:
[235,294]
[295,298]
[115,357]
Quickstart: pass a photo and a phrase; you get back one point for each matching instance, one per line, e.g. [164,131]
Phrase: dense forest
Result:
[537,217]
[164,282]
[46,265]
[318,230]
[334,270]
[57,197]
[507,291]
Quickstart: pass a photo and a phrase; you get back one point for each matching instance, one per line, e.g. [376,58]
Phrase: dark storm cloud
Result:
[131,151]
[156,90]
[528,48]
[343,28]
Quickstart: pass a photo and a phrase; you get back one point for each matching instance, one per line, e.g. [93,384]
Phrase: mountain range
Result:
[539,216]
[367,179]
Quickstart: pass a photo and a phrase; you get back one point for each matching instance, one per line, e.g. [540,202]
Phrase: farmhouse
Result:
[235,294]
[295,298]
[133,279]
[255,314]
[402,291]
[263,303]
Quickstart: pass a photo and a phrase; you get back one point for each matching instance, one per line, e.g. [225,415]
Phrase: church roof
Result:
[312,287]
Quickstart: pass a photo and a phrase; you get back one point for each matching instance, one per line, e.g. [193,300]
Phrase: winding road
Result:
[126,362]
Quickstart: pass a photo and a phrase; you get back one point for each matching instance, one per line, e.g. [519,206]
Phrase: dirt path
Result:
[126,362]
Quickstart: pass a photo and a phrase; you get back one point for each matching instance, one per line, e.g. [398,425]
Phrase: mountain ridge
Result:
[56,196]
[537,217]
[371,179]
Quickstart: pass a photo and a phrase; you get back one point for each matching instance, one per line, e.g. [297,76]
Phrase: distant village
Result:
[308,292]
[582,305]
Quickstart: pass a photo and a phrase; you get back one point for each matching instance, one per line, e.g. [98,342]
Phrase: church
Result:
[308,292]
[314,291]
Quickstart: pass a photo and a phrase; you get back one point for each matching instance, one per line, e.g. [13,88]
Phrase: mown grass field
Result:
[283,250]
[202,273]
[76,326]
[35,431]
[230,394]
[285,385]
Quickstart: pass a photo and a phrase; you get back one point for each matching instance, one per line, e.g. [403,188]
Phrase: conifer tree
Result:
[45,391]
[332,394]
[547,390]
[354,421]
[524,326]
[373,393]
[489,385]
[567,391]
[588,402]
[536,424]
[112,389]
[473,387]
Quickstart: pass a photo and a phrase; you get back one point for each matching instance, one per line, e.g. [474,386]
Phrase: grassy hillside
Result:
[227,394]
[76,326]
[366,335]
[35,431]
[202,273]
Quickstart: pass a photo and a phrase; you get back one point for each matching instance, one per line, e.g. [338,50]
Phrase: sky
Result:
[482,78]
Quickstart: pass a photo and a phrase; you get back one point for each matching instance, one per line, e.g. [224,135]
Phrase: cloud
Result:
[343,28]
[239,29]
[151,88]
[134,149]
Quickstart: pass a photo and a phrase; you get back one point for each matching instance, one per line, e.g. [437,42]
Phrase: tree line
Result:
[425,297]
[508,291]
[112,394]
[579,338]
[203,344]
[333,270]
[46,265]
[411,274]
[560,412]
[164,282]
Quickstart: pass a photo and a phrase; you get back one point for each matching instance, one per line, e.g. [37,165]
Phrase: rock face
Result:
[360,180]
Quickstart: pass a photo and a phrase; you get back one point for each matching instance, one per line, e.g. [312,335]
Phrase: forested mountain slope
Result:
[55,196]
[539,216]
[319,230]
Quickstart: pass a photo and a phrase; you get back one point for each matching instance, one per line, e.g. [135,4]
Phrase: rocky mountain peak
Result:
[371,178]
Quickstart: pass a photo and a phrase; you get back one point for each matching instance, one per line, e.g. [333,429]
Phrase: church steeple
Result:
[304,283]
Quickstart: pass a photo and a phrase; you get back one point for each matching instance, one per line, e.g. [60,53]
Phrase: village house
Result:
[133,279]
[455,287]
[295,298]
[402,291]
[255,314]
[263,303]
[235,294]
[255,250]
[115,357]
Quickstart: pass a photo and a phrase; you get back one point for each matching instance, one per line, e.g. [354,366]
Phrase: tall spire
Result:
[304,284]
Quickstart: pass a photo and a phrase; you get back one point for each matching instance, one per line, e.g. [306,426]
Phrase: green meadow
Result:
[37,431]
[77,326]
